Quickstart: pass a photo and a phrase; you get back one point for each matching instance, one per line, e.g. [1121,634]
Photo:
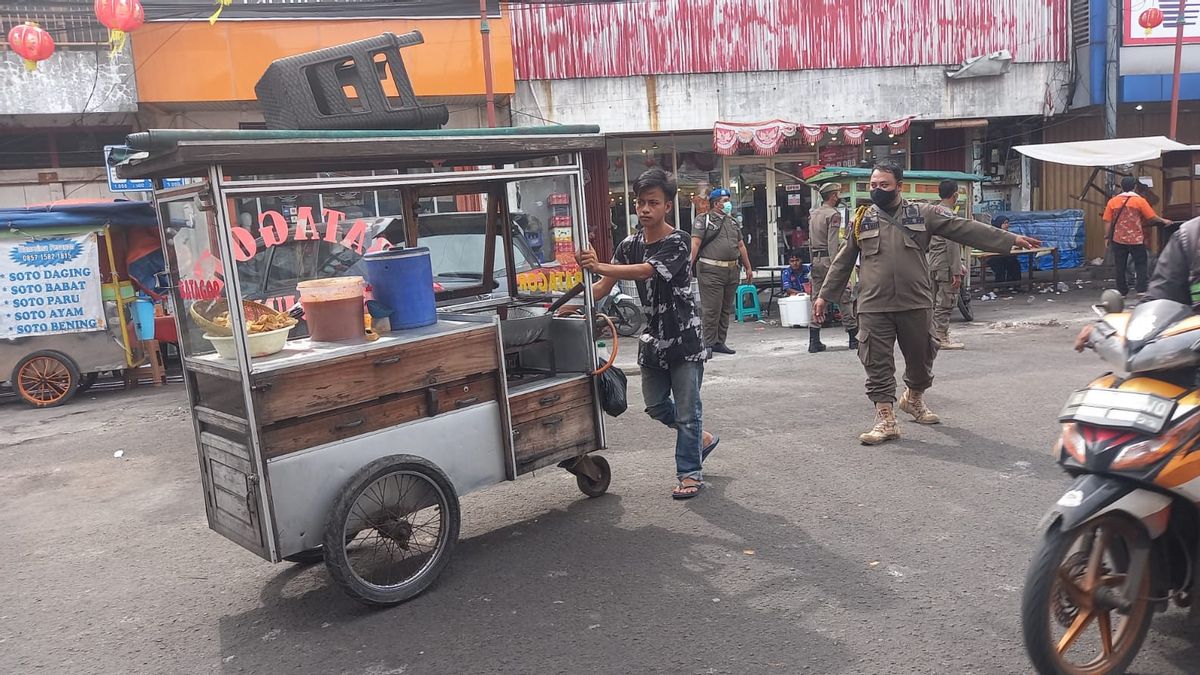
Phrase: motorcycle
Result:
[626,312]
[1121,544]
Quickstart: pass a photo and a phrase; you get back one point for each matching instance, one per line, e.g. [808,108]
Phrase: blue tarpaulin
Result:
[92,216]
[1061,229]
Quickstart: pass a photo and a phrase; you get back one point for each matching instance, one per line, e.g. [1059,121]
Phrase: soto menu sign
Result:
[50,286]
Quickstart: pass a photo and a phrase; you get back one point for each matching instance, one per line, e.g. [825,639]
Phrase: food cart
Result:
[357,451]
[64,296]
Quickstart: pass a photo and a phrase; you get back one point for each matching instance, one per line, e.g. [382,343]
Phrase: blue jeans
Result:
[682,413]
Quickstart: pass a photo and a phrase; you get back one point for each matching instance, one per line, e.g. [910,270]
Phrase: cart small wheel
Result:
[46,378]
[595,488]
[392,530]
[86,382]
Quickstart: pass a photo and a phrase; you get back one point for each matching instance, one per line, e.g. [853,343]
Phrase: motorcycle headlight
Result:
[1142,453]
[1072,441]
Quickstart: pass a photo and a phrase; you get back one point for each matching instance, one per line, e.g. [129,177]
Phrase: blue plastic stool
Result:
[740,310]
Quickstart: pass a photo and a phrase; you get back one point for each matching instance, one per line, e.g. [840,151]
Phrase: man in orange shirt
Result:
[1126,218]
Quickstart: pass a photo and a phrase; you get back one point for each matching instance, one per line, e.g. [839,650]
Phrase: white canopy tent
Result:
[1110,152]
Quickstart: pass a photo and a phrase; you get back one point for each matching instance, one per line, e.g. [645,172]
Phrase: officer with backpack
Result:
[895,300]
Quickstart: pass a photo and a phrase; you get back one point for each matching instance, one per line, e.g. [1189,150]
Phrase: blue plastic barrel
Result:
[143,317]
[402,279]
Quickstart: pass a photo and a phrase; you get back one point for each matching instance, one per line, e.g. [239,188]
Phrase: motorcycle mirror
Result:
[1112,301]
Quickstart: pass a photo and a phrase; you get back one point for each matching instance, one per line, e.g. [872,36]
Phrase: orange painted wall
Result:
[193,61]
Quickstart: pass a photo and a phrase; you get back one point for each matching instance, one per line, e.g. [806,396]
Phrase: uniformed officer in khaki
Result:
[945,271]
[824,229]
[895,299]
[717,252]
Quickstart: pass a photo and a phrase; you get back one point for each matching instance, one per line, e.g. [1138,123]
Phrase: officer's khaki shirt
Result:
[723,244]
[945,256]
[824,224]
[894,273]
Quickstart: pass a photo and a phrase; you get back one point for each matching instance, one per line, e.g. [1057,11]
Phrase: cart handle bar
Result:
[612,357]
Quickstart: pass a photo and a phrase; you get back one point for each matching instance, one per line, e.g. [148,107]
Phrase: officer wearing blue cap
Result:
[718,249]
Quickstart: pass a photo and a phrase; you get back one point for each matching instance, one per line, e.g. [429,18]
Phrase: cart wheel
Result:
[595,488]
[86,382]
[405,514]
[45,379]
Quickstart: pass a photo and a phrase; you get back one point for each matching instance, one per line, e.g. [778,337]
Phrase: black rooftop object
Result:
[308,91]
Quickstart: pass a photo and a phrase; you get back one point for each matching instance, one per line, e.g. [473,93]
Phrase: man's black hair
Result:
[999,220]
[1129,183]
[655,178]
[947,189]
[795,253]
[889,166]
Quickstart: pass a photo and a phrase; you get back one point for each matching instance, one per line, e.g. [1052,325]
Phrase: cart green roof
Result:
[178,153]
[834,174]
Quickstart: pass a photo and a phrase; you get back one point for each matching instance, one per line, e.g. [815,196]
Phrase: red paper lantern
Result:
[120,17]
[1151,19]
[31,42]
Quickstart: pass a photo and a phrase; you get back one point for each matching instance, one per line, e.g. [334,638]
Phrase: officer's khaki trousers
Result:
[816,275]
[878,334]
[718,285]
[945,298]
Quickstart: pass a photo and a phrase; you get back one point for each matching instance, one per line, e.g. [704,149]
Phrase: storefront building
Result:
[660,78]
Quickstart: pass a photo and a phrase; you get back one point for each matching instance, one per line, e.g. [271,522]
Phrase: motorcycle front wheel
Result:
[1071,626]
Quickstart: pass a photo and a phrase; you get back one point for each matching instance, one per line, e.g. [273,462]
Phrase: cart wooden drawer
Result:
[527,405]
[560,429]
[366,377]
[307,432]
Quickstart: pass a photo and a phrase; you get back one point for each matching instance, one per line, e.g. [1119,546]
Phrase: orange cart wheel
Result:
[45,379]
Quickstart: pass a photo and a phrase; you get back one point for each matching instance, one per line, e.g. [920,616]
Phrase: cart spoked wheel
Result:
[392,530]
[592,474]
[45,379]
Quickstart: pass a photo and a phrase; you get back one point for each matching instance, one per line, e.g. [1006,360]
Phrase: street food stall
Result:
[351,442]
[1110,159]
[67,299]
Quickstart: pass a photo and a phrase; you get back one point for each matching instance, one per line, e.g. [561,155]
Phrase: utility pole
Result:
[1179,25]
[485,31]
[1111,73]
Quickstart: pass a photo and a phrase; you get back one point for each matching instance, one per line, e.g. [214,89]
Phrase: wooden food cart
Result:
[356,452]
[65,297]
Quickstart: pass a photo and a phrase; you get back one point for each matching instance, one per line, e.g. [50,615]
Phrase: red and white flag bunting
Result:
[767,137]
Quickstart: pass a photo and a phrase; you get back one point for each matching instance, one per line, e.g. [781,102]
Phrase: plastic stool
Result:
[740,310]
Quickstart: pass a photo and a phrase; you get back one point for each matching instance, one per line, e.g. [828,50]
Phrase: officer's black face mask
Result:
[883,198]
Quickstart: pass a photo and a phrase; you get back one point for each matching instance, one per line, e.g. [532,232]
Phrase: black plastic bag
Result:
[613,385]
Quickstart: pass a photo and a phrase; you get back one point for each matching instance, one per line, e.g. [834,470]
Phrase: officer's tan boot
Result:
[944,342]
[886,428]
[913,403]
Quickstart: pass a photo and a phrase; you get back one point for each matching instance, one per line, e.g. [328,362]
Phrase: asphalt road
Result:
[808,554]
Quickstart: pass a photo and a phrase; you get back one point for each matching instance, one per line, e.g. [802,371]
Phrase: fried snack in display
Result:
[263,324]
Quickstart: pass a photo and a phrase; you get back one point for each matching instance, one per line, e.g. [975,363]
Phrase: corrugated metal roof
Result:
[620,39]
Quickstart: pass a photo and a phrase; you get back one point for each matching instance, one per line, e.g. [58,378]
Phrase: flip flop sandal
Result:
[694,489]
[709,448]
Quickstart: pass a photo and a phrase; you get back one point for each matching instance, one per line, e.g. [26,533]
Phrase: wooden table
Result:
[1033,254]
